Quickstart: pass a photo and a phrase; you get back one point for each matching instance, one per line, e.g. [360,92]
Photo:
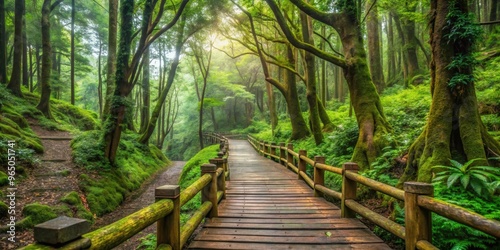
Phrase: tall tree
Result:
[3,45]
[15,78]
[203,60]
[111,61]
[44,104]
[126,71]
[312,98]
[146,100]
[374,55]
[364,97]
[454,128]
[72,56]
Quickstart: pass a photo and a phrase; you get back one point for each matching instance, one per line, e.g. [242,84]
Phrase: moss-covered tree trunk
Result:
[15,77]
[312,99]
[364,97]
[146,100]
[454,128]
[115,121]
[299,126]
[372,30]
[111,60]
[3,45]
[44,104]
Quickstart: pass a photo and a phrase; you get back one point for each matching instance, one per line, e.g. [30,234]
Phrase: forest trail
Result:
[142,198]
[48,181]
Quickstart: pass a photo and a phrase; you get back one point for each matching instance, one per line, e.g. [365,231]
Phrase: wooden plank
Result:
[301,226]
[273,208]
[254,246]
[278,220]
[335,213]
[292,233]
[289,240]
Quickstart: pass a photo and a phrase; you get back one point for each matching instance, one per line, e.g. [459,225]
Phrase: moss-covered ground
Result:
[190,173]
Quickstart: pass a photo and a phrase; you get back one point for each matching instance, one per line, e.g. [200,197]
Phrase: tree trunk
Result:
[72,56]
[44,104]
[299,126]
[391,57]
[114,121]
[146,100]
[493,14]
[15,78]
[26,75]
[165,90]
[99,77]
[111,61]
[454,128]
[272,107]
[312,98]
[3,45]
[372,27]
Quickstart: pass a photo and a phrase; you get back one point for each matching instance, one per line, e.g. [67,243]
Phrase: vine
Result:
[462,34]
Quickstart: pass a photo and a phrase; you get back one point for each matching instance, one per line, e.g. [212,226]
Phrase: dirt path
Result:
[146,197]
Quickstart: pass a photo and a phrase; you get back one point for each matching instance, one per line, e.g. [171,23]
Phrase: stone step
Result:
[65,172]
[56,138]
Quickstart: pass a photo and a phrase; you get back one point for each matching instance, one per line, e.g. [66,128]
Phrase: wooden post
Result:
[302,164]
[319,175]
[272,151]
[418,221]
[221,180]
[209,192]
[282,153]
[221,144]
[226,169]
[168,228]
[348,189]
[289,157]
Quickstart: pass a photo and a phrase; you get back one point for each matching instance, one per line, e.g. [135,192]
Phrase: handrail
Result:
[165,211]
[417,197]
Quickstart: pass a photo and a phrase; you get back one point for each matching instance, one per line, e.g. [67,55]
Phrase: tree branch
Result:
[301,45]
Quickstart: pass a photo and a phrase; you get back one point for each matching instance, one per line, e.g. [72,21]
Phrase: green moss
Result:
[4,209]
[190,173]
[135,163]
[75,203]
[35,214]
[4,179]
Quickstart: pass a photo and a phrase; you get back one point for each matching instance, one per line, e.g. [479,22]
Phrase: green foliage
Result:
[381,168]
[190,173]
[462,33]
[4,209]
[474,178]
[4,178]
[107,189]
[448,234]
[148,242]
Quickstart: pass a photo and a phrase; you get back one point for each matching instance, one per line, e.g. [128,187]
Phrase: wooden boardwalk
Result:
[268,208]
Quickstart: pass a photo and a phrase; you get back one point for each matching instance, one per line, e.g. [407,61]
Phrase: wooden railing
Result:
[417,196]
[165,211]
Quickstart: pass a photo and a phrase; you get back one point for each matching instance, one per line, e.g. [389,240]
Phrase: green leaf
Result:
[477,187]
[465,180]
[455,164]
[453,178]
[328,234]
